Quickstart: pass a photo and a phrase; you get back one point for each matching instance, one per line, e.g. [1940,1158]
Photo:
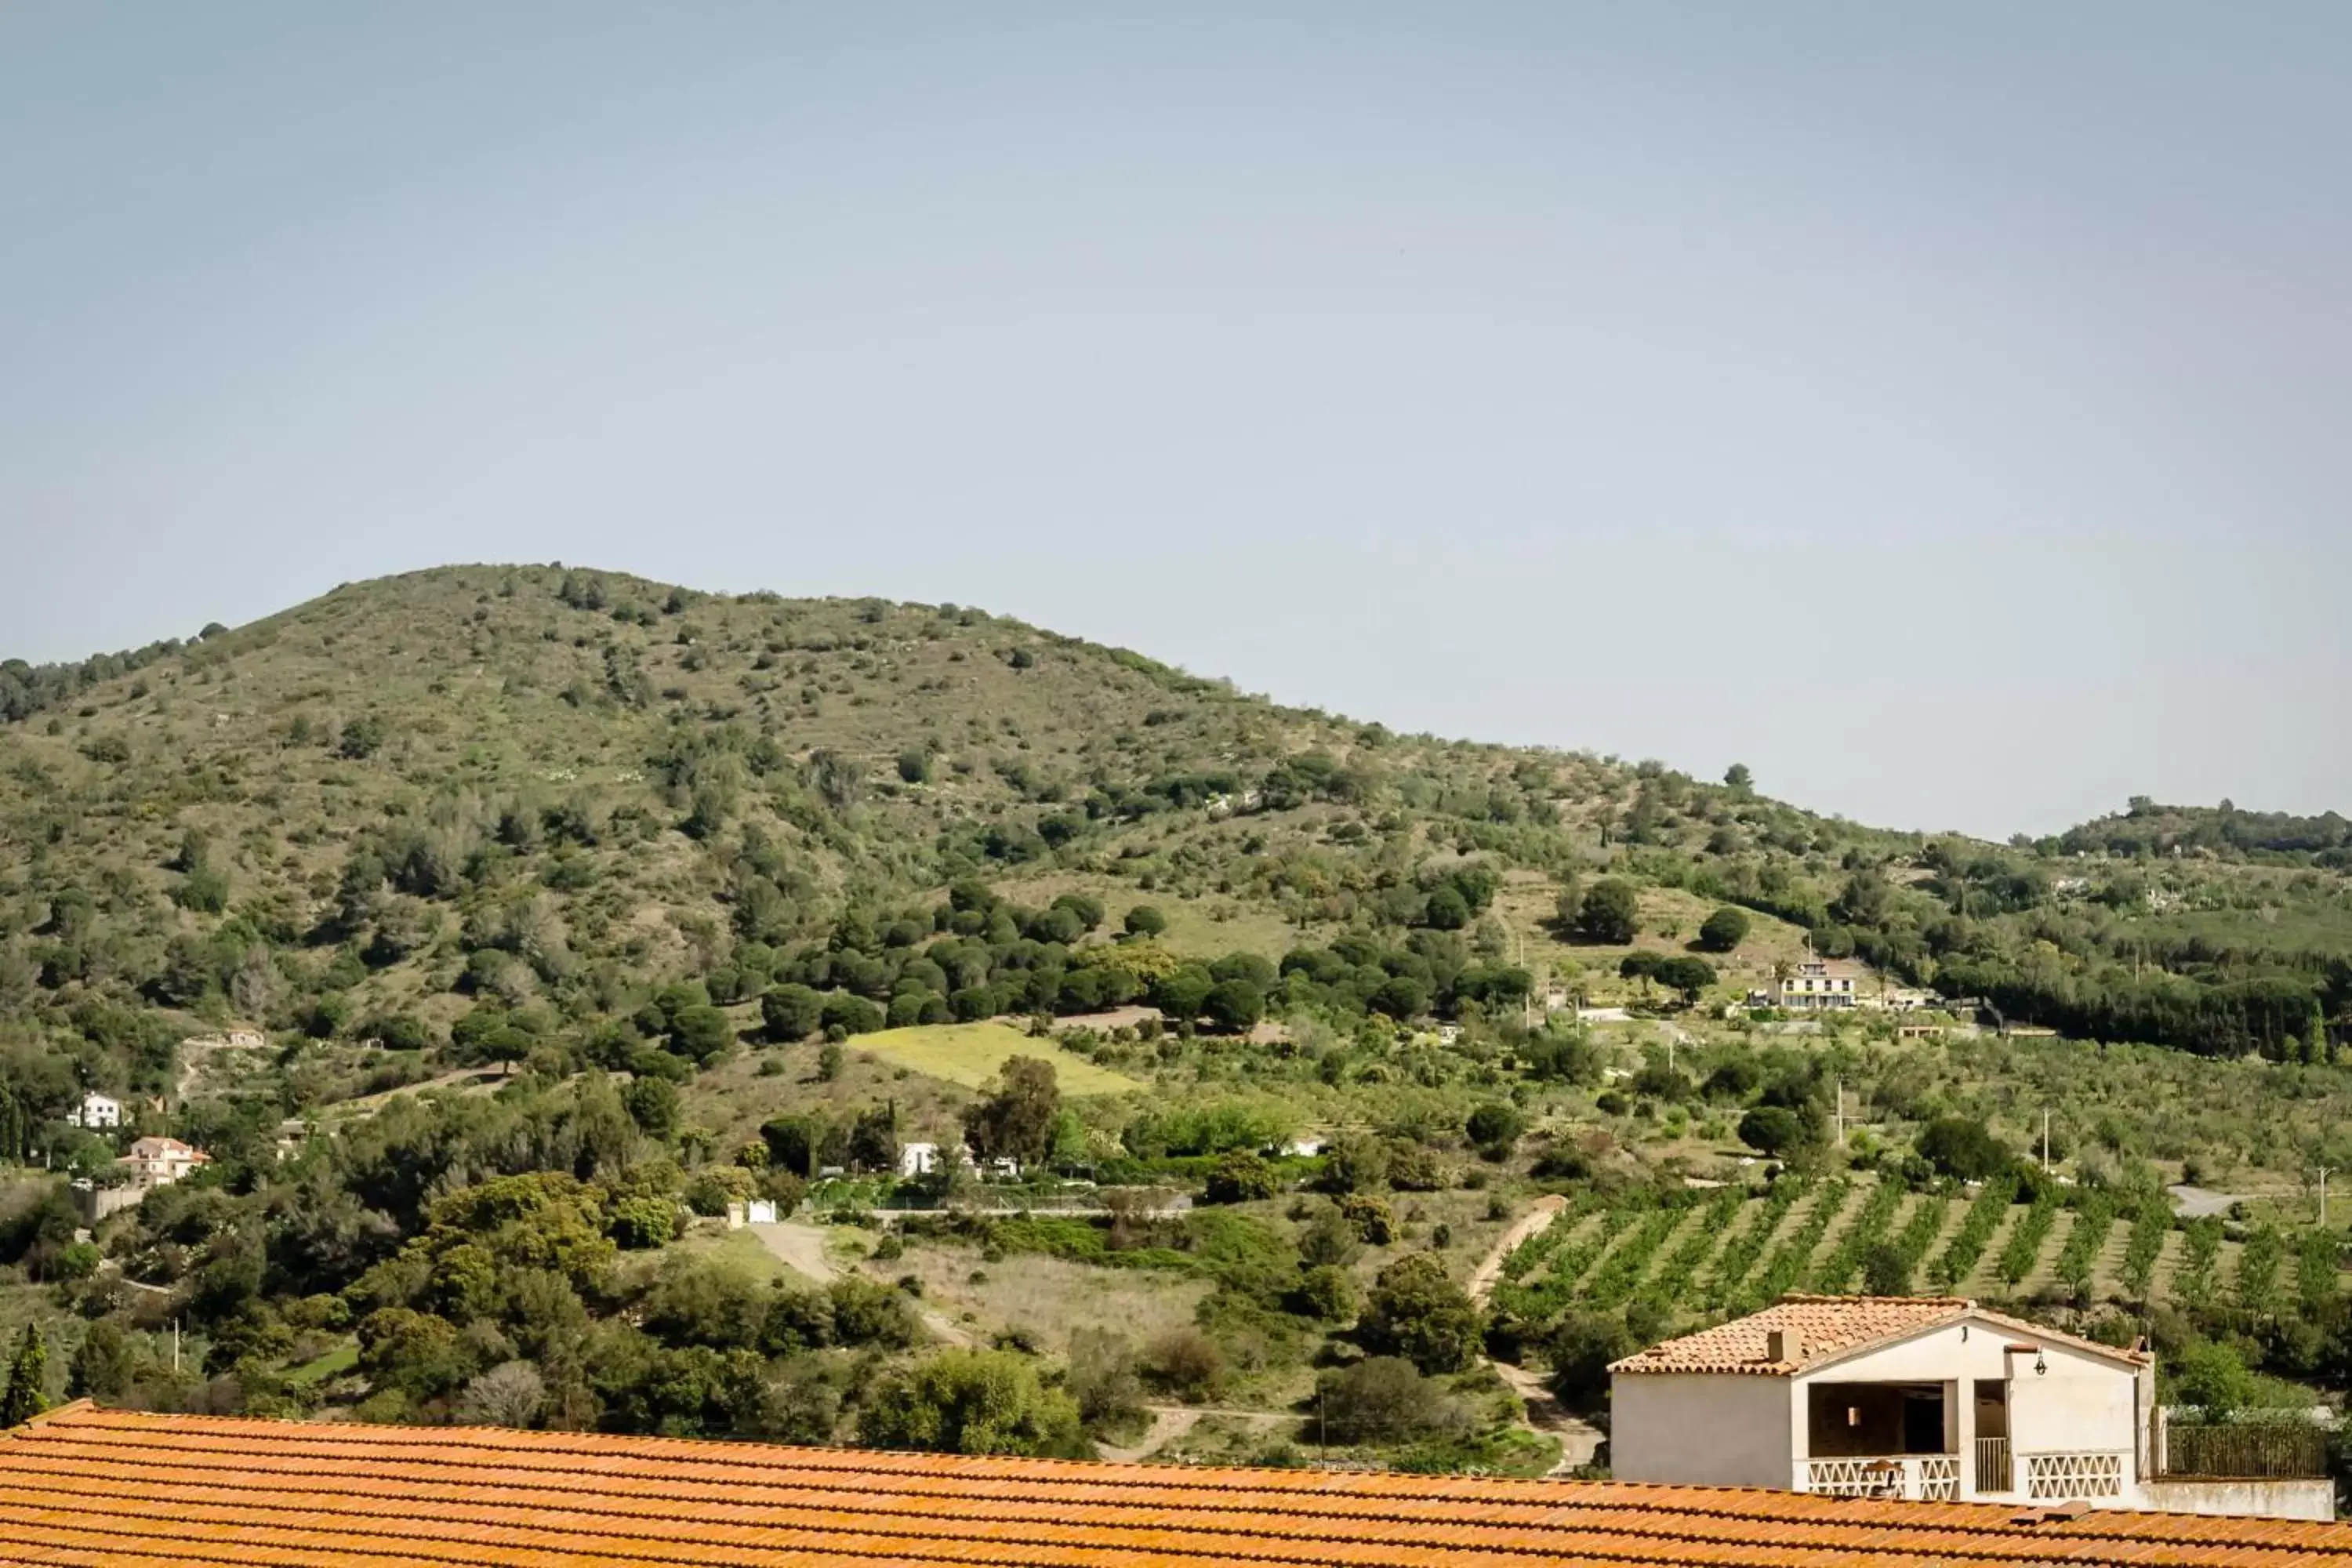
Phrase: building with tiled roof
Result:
[84,1486]
[1918,1396]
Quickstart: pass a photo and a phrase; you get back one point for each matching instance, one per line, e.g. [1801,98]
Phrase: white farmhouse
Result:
[96,1111]
[1922,1397]
[160,1162]
[917,1160]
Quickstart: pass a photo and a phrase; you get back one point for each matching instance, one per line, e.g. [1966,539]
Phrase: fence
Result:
[2275,1450]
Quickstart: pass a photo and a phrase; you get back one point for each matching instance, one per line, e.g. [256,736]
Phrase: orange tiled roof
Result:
[1828,1328]
[89,1487]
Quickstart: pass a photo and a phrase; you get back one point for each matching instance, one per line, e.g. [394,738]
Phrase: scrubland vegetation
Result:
[572,910]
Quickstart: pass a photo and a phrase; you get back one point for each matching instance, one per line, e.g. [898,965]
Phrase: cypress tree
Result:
[29,1376]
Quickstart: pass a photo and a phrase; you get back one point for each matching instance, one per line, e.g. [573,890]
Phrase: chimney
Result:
[1783,1345]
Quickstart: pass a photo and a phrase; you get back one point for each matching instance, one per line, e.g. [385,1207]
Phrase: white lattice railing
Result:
[2059,1478]
[1923,1476]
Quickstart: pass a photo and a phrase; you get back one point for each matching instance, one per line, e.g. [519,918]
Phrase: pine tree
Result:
[2321,1049]
[27,1377]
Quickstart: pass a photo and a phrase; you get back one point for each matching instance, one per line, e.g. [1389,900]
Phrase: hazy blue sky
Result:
[1945,409]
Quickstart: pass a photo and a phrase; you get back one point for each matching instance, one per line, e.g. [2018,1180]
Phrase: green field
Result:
[971,1054]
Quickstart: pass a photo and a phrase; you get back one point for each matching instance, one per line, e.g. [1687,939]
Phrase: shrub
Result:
[1327,1292]
[643,1222]
[972,1402]
[1186,1363]
[1241,1177]
[1382,1399]
[1373,1221]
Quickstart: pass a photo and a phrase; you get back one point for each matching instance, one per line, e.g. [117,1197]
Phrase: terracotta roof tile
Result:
[1821,1329]
[89,1487]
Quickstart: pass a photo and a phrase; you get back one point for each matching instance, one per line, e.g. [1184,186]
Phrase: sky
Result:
[1944,409]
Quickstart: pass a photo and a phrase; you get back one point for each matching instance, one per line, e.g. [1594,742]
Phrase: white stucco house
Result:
[917,1160]
[160,1162]
[1928,1398]
[96,1111]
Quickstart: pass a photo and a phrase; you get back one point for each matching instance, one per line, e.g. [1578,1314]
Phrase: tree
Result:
[1739,781]
[1610,913]
[1580,1350]
[1724,929]
[1145,920]
[791,1012]
[1687,976]
[1233,1006]
[850,1014]
[1016,1121]
[1886,1271]
[1959,1147]
[1773,1130]
[512,1394]
[702,1034]
[27,1393]
[1400,997]
[1447,910]
[973,1402]
[103,1364]
[1417,1312]
[873,1140]
[1183,994]
[1494,1127]
[651,1104]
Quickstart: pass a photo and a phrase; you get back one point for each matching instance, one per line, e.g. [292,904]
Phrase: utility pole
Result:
[2323,1171]
[2045,1138]
[1840,1112]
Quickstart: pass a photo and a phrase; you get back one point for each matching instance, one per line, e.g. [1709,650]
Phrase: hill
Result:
[567,908]
[554,790]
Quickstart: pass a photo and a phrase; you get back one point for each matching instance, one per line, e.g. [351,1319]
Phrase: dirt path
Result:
[1168,1423]
[801,1247]
[1580,1439]
[1541,1411]
[1482,1279]
[1171,1422]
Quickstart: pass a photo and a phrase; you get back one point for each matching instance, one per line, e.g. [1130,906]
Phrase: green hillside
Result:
[571,908]
[559,788]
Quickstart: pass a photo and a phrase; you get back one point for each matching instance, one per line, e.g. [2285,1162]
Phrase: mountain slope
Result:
[557,790]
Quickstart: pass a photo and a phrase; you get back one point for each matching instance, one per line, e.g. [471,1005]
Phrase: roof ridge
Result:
[70,1407]
[1812,1298]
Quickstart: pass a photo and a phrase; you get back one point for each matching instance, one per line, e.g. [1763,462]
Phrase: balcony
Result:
[1915,1477]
